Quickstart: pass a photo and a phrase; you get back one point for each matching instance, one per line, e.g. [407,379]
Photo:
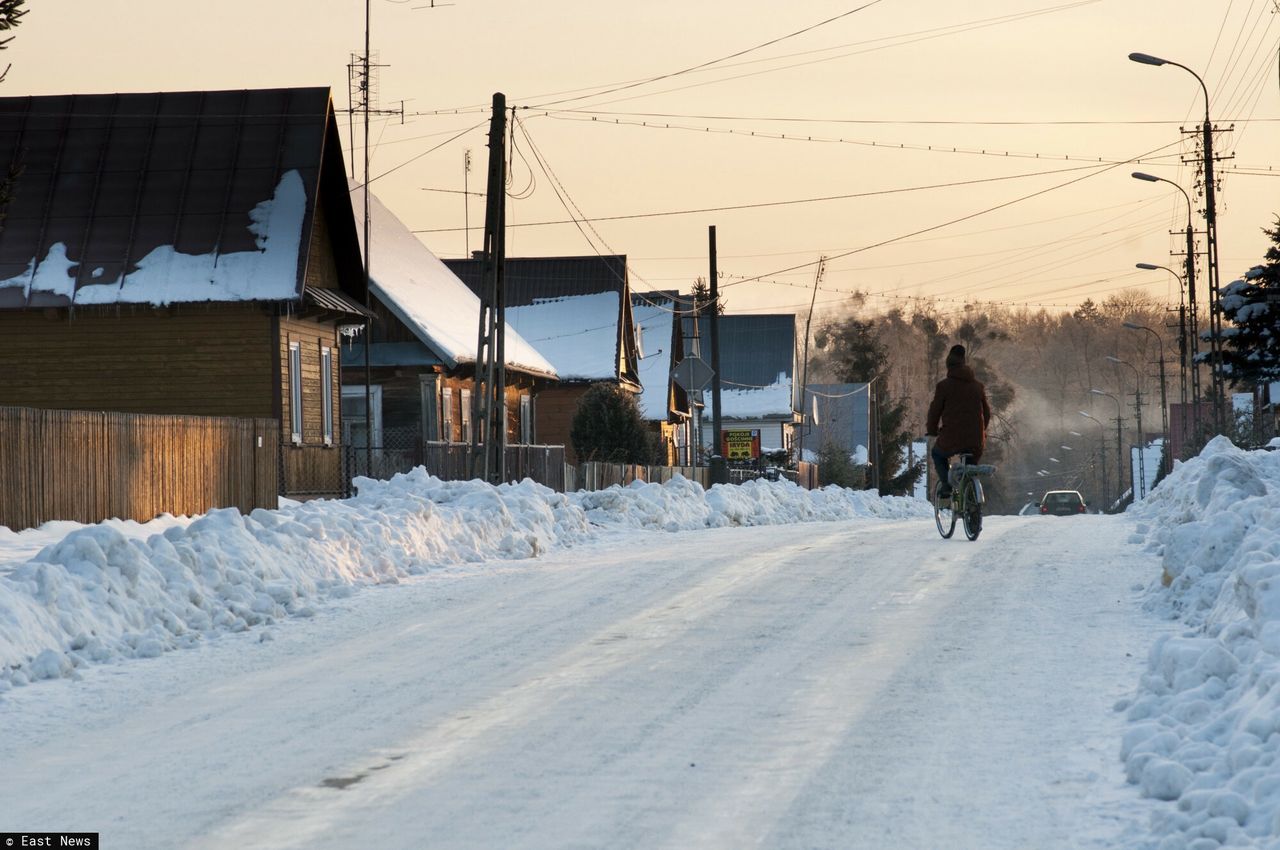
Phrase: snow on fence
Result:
[452,462]
[89,466]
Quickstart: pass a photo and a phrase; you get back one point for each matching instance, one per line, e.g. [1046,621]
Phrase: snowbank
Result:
[102,592]
[1206,721]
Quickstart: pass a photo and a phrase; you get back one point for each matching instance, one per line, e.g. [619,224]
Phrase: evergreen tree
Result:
[11,13]
[702,299]
[1251,344]
[608,427]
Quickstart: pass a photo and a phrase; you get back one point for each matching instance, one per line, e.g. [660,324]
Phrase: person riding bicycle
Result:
[958,416]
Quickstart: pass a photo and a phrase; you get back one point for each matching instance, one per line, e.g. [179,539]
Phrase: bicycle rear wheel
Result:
[943,515]
[972,510]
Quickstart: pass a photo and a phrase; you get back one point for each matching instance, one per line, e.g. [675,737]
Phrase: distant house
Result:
[181,253]
[423,353]
[576,311]
[758,387]
[660,343]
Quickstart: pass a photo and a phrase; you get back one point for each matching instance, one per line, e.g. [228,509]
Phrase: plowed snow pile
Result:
[98,594]
[1206,721]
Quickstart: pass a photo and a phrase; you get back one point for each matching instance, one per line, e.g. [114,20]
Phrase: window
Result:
[355,430]
[326,392]
[429,413]
[295,393]
[446,414]
[526,420]
[466,416]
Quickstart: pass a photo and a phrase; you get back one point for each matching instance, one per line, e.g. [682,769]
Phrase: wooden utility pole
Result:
[489,402]
[719,469]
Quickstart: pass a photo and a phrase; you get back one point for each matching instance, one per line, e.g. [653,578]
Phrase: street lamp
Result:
[1164,409]
[1102,450]
[1119,445]
[1140,485]
[1211,232]
[1193,309]
[1183,366]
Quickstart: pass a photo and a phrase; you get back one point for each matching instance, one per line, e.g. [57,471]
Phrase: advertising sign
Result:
[740,445]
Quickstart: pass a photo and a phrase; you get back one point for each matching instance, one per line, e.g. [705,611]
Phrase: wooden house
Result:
[576,311]
[664,404]
[759,385]
[422,357]
[181,253]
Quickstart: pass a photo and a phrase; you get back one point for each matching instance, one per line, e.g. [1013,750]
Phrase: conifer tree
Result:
[1251,313]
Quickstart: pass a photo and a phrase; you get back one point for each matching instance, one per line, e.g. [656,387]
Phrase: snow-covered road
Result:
[843,685]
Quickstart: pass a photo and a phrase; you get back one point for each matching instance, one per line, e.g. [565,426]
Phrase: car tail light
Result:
[1043,509]
[1082,509]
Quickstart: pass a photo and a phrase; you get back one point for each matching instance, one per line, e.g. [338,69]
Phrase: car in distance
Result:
[1062,503]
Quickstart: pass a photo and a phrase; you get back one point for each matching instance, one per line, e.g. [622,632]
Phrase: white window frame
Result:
[446,414]
[526,419]
[295,393]
[465,398]
[326,393]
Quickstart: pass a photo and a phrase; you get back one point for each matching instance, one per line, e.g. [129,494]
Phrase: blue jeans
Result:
[940,462]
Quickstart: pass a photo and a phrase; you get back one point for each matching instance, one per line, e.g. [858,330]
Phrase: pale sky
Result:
[1047,82]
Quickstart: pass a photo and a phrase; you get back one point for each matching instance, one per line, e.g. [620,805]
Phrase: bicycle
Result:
[967,497]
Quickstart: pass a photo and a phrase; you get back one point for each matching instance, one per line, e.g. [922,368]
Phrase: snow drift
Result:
[100,594]
[1206,720]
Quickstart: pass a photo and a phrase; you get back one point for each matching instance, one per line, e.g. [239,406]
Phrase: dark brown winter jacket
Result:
[959,413]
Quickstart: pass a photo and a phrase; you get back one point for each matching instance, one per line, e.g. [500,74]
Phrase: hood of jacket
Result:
[962,372]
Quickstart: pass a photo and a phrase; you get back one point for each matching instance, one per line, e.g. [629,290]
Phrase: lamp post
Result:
[1164,407]
[1211,252]
[1119,445]
[1193,308]
[1183,366]
[1139,484]
[1102,451]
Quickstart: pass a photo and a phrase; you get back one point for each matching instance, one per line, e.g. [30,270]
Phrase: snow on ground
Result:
[1205,725]
[111,590]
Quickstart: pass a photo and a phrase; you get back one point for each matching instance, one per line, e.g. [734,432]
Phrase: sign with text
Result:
[740,444]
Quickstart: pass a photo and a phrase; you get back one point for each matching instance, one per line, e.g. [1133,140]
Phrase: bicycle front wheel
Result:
[943,515]
[972,511]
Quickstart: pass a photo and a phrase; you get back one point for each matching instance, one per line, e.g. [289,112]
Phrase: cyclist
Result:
[958,416]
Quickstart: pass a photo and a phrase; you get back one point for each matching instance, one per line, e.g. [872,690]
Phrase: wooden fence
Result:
[592,475]
[452,462]
[89,466]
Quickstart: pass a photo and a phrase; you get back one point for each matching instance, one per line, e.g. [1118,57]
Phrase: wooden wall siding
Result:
[199,360]
[90,466]
[554,410]
[311,468]
[322,271]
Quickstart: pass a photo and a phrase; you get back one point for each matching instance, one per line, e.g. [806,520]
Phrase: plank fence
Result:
[89,466]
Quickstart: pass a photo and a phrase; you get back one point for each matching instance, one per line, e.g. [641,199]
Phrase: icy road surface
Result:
[827,685]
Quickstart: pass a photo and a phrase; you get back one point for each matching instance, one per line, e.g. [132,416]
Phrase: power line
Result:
[795,201]
[905,121]
[711,62]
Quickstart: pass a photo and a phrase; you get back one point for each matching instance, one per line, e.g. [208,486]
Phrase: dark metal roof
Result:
[530,279]
[332,301]
[754,350]
[100,182]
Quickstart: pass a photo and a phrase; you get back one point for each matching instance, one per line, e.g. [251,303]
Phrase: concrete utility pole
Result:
[489,402]
[719,470]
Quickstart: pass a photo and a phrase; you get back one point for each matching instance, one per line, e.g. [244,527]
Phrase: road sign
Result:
[692,373]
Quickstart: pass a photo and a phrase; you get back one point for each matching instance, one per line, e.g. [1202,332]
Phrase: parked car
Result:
[1063,503]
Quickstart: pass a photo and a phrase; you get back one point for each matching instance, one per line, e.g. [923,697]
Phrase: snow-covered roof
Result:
[431,301]
[757,359]
[163,198]
[576,311]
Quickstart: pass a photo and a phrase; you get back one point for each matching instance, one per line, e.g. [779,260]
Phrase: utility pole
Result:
[719,469]
[466,203]
[489,402]
[804,381]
